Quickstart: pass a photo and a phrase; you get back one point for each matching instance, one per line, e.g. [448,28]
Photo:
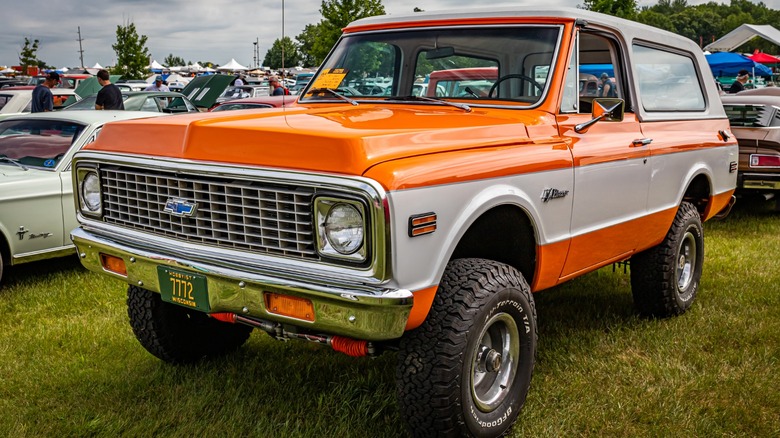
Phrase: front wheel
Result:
[665,278]
[176,334]
[467,369]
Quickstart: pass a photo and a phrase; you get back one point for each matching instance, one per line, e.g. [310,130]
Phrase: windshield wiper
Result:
[462,106]
[332,92]
[12,161]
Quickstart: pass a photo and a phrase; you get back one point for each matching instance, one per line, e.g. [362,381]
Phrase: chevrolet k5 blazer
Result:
[421,223]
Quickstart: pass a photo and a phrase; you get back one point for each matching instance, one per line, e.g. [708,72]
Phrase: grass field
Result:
[70,366]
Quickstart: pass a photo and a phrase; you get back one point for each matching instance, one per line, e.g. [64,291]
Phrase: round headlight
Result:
[344,228]
[90,191]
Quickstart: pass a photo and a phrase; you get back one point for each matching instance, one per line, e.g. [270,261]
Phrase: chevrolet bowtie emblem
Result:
[180,207]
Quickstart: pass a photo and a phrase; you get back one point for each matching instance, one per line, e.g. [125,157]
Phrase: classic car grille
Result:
[238,214]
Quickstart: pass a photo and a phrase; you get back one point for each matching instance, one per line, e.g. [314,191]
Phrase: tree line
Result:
[702,23]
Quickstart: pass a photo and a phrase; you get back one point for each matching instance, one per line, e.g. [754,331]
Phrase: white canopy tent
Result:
[156,65]
[97,66]
[232,66]
[743,34]
[7,70]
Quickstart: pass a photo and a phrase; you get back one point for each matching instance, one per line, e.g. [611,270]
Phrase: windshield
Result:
[36,143]
[510,64]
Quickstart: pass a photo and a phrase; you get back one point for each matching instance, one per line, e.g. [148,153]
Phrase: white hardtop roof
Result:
[627,27]
[87,117]
[743,34]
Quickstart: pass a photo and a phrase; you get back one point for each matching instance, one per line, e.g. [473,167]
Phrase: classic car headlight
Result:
[90,192]
[341,227]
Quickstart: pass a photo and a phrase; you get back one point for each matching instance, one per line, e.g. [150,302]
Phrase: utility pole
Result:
[81,51]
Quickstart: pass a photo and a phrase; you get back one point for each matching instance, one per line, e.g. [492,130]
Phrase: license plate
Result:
[183,288]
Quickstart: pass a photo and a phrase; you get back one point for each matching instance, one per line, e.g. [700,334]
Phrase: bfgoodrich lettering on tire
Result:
[176,334]
[665,278]
[467,369]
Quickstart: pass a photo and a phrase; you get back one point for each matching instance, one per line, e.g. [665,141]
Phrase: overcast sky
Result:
[196,30]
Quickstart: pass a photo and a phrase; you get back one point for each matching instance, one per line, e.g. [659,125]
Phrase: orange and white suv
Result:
[422,223]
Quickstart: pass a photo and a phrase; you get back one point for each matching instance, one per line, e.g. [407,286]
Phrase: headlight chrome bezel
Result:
[92,208]
[323,207]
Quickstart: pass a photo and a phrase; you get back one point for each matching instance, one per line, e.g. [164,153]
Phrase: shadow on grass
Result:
[27,274]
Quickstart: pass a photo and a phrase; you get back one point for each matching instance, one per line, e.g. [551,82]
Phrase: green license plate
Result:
[183,288]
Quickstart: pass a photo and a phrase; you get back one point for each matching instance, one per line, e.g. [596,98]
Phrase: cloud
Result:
[196,30]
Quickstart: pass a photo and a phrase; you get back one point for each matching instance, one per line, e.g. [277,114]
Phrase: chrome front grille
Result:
[253,216]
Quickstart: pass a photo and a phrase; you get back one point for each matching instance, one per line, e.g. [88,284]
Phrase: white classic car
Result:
[36,194]
[15,101]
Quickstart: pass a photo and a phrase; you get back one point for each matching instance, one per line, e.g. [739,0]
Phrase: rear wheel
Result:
[665,278]
[176,334]
[466,371]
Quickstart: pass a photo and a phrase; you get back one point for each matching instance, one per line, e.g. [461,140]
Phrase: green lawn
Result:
[70,366]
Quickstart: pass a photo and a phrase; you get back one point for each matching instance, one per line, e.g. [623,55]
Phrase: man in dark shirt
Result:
[110,96]
[739,84]
[42,99]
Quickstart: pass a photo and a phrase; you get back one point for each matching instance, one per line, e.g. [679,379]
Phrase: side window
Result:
[150,105]
[597,74]
[667,81]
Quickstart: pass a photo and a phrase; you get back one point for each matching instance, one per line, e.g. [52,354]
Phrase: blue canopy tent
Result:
[597,69]
[728,64]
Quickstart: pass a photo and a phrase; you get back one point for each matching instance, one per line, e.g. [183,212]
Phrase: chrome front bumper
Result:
[363,312]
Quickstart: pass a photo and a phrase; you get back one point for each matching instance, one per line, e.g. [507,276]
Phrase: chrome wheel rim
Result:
[494,362]
[686,261]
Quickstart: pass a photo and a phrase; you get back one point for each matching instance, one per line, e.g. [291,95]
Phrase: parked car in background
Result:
[153,101]
[132,85]
[11,82]
[243,92]
[16,101]
[67,80]
[755,121]
[36,192]
[255,103]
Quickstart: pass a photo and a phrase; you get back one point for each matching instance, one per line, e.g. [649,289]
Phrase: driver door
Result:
[611,173]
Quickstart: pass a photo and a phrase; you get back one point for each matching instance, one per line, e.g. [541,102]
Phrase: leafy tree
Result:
[273,58]
[619,8]
[28,56]
[306,41]
[171,60]
[336,14]
[132,55]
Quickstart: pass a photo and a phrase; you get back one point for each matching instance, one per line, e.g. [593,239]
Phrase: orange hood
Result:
[327,138]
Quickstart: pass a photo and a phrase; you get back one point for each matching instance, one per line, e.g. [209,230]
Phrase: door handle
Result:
[641,142]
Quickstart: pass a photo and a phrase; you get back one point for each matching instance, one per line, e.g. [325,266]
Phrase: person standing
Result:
[607,88]
[739,84]
[238,82]
[276,87]
[110,96]
[42,99]
[157,85]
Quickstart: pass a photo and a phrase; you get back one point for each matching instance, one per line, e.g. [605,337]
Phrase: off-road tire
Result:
[441,390]
[665,278]
[176,334]
[1,265]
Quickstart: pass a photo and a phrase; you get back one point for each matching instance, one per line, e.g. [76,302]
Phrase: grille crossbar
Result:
[253,216]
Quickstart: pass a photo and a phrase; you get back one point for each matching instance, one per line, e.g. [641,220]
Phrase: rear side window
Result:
[667,81]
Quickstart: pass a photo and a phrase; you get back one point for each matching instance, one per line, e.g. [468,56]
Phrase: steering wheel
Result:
[513,76]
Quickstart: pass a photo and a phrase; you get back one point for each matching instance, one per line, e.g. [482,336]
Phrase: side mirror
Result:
[608,110]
